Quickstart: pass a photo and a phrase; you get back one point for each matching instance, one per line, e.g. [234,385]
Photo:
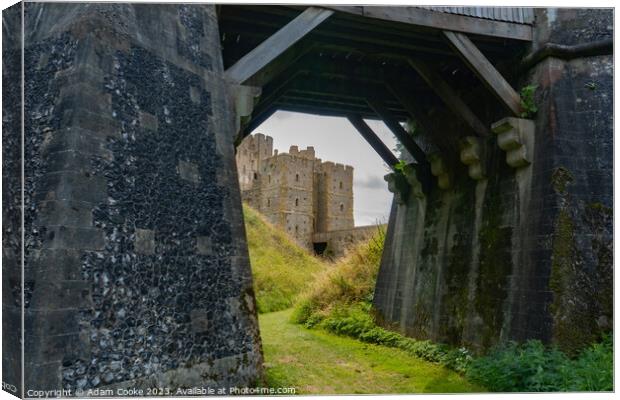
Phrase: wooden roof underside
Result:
[351,56]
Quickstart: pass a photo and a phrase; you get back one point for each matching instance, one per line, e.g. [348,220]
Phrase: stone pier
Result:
[520,246]
[136,265]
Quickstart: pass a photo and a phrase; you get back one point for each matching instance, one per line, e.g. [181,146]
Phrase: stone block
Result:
[397,184]
[189,171]
[473,155]
[194,94]
[244,98]
[148,121]
[55,295]
[72,186]
[144,241]
[51,322]
[440,170]
[55,348]
[203,245]
[43,376]
[102,124]
[412,179]
[66,213]
[64,237]
[74,139]
[516,137]
[87,97]
[199,321]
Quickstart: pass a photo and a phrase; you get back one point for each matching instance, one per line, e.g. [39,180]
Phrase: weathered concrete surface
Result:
[526,252]
[130,170]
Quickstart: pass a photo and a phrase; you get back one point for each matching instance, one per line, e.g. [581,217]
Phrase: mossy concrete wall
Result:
[525,253]
[136,266]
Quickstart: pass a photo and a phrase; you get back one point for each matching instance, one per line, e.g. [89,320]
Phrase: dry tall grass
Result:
[352,279]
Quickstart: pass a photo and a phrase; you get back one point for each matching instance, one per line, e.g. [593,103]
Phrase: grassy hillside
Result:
[351,281]
[281,269]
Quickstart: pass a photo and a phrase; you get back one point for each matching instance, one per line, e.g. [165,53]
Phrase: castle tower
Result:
[287,193]
[250,156]
[295,191]
[335,203]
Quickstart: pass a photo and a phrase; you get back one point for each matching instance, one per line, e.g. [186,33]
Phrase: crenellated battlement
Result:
[296,190]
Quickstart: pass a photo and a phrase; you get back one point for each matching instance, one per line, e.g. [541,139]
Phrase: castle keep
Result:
[310,199]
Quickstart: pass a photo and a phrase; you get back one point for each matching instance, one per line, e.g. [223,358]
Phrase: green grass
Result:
[318,362]
[281,269]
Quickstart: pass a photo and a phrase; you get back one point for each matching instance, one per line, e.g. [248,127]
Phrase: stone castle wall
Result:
[335,191]
[136,266]
[249,159]
[338,242]
[295,190]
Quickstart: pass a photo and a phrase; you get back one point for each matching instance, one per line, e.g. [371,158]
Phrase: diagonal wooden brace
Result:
[485,71]
[276,44]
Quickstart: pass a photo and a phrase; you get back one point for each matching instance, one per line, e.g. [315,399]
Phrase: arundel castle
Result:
[310,199]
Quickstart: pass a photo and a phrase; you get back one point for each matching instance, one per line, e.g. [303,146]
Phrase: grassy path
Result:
[316,362]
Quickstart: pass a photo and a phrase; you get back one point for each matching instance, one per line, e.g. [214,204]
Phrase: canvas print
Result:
[304,199]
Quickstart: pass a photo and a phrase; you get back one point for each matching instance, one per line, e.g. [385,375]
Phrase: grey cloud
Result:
[371,182]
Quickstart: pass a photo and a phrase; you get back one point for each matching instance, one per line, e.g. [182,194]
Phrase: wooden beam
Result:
[276,44]
[406,98]
[401,134]
[487,73]
[282,64]
[440,20]
[373,140]
[449,96]
[354,37]
[326,111]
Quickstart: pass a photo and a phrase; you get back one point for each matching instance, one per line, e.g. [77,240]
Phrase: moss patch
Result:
[581,275]
[560,178]
[495,266]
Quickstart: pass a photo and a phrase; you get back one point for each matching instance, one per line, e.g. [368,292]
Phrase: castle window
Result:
[296,229]
[296,177]
[255,176]
[296,202]
[268,202]
[341,207]
[340,184]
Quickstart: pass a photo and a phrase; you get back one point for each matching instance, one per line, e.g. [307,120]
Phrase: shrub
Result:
[532,367]
[593,369]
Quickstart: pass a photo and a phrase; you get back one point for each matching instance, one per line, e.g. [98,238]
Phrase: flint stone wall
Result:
[136,265]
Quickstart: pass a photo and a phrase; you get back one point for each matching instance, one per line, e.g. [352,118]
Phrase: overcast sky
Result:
[335,139]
